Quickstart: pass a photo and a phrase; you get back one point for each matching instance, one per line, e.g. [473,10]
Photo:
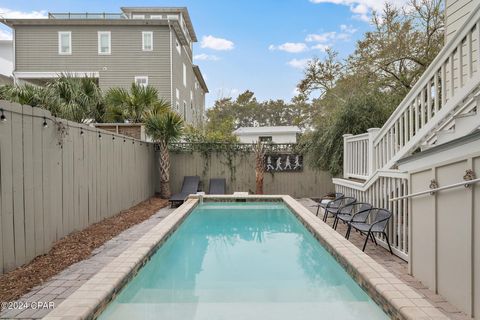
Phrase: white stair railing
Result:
[444,91]
[449,79]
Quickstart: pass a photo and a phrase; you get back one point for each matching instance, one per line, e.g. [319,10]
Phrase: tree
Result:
[246,111]
[259,151]
[362,91]
[79,99]
[164,126]
[74,99]
[324,146]
[134,105]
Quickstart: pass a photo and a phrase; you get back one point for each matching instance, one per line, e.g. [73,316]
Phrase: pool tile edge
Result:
[395,297]
[92,297]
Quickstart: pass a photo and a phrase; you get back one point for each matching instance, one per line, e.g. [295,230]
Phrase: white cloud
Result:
[363,8]
[6,13]
[14,14]
[327,38]
[214,43]
[298,63]
[321,47]
[292,47]
[322,37]
[206,57]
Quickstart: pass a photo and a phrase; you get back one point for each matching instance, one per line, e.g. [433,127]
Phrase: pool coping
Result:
[395,297]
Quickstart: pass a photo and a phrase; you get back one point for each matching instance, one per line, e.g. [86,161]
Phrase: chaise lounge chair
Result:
[379,221]
[217,186]
[189,186]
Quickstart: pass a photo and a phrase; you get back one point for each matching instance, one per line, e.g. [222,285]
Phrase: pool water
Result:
[242,261]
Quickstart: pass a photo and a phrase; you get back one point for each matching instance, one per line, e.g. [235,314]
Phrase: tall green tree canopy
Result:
[362,91]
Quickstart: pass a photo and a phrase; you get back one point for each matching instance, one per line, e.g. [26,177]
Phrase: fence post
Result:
[372,134]
[346,155]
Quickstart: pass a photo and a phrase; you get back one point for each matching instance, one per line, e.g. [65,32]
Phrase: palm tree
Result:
[28,94]
[75,99]
[80,99]
[164,126]
[133,105]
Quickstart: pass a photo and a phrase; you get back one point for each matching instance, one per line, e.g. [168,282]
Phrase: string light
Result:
[3,118]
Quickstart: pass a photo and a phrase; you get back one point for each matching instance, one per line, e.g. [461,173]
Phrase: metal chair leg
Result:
[366,240]
[347,235]
[372,237]
[318,209]
[388,242]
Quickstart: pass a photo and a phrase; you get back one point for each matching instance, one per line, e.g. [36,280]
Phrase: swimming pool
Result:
[249,260]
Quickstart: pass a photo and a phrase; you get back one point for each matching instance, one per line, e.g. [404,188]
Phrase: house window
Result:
[265,139]
[184,75]
[156,17]
[65,42]
[177,106]
[177,93]
[191,95]
[141,81]
[177,45]
[147,40]
[138,16]
[104,42]
[184,111]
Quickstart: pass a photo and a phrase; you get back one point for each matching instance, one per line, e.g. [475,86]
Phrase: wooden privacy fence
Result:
[239,171]
[53,182]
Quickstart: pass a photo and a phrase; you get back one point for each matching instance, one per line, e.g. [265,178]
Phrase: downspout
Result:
[13,57]
[171,65]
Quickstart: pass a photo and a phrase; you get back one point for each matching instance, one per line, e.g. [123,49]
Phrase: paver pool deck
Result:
[61,286]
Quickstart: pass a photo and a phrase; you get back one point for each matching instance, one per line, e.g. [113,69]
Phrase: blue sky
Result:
[259,45]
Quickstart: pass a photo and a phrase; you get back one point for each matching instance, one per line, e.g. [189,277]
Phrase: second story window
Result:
[104,42]
[65,42]
[184,75]
[147,40]
[141,81]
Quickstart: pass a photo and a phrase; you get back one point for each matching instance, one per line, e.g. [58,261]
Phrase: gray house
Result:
[149,46]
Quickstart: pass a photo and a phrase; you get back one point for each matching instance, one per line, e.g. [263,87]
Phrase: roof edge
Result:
[201,80]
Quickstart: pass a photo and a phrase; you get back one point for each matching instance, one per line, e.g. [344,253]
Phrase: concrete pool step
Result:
[242,311]
[247,295]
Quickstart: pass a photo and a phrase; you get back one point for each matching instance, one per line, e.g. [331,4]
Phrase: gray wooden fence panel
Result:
[239,172]
[48,190]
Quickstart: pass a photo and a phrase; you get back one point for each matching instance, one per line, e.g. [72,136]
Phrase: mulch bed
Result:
[73,248]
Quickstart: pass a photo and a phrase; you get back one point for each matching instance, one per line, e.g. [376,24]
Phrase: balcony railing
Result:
[86,15]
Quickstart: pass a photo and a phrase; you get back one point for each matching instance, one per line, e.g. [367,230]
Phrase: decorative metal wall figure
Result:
[283,162]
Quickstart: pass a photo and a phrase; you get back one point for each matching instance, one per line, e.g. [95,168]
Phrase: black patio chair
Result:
[217,186]
[378,223]
[357,209]
[334,206]
[189,186]
[322,203]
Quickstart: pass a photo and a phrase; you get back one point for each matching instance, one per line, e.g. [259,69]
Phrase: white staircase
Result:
[442,106]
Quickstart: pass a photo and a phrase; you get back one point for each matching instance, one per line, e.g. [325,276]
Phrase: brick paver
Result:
[62,285]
